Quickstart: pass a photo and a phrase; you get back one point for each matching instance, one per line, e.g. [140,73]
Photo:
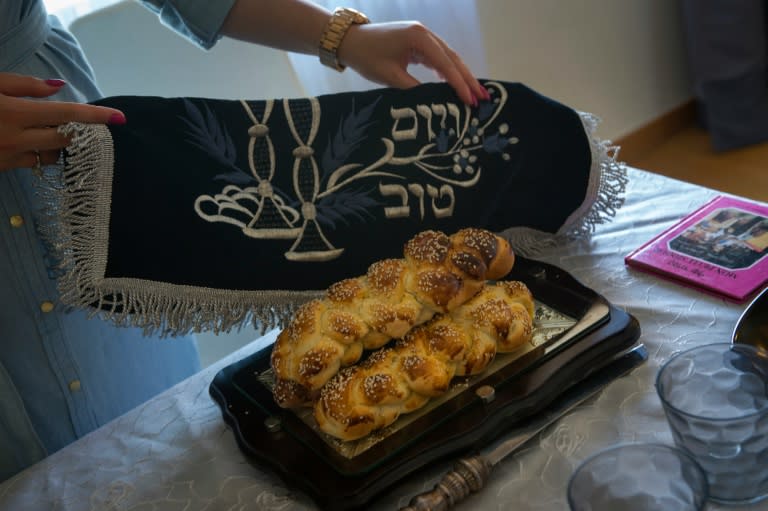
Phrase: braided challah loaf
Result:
[437,274]
[400,379]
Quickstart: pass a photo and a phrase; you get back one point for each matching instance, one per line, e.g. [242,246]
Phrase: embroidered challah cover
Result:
[204,213]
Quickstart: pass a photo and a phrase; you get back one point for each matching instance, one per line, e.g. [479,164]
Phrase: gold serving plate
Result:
[551,329]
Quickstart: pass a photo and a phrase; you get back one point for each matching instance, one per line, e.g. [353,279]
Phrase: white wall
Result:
[132,53]
[623,60]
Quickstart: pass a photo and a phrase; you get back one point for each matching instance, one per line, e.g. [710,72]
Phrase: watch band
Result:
[341,19]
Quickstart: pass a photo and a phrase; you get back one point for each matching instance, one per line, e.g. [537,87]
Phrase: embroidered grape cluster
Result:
[476,137]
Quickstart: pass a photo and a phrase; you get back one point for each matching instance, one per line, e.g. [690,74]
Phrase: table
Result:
[175,452]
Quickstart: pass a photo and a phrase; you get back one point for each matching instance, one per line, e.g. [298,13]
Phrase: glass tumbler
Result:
[715,398]
[638,477]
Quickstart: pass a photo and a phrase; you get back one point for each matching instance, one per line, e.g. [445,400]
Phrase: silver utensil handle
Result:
[469,475]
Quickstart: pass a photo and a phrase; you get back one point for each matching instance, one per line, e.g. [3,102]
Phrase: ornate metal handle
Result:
[468,476]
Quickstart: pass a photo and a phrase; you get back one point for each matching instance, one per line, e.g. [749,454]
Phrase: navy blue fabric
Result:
[531,165]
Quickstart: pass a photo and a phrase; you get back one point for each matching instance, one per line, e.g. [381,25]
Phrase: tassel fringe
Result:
[605,195]
[77,198]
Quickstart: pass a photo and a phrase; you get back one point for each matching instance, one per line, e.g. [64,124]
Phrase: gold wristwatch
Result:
[341,19]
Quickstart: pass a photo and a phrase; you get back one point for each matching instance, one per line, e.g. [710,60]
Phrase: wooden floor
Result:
[687,155]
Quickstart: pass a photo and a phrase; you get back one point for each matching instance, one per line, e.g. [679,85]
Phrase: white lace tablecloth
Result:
[175,453]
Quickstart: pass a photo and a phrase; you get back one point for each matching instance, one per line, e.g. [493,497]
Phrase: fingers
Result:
[41,139]
[402,79]
[55,113]
[22,154]
[28,160]
[437,55]
[382,53]
[27,113]
[475,87]
[434,55]
[16,85]
[29,126]
[49,157]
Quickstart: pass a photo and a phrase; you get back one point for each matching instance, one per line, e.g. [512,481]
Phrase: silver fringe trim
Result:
[605,195]
[77,197]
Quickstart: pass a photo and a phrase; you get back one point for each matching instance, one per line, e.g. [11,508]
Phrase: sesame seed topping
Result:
[345,325]
[345,291]
[412,362]
[383,276]
[377,386]
[469,264]
[316,361]
[428,246]
[485,242]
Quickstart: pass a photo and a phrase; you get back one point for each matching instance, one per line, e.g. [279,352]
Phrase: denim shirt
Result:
[63,374]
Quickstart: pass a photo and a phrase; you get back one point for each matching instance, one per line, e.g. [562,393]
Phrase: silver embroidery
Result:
[453,136]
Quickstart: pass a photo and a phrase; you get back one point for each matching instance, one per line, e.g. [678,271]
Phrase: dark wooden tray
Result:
[276,438]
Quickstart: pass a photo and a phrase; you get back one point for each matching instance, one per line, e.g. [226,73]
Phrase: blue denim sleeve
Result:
[198,20]
[62,373]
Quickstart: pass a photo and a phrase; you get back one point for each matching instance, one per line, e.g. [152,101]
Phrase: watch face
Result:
[360,18]
[357,16]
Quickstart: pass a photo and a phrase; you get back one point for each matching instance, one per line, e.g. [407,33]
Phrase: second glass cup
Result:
[638,477]
[715,398]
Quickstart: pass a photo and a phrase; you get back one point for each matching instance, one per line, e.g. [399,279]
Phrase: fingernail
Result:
[474,100]
[486,94]
[118,119]
[55,82]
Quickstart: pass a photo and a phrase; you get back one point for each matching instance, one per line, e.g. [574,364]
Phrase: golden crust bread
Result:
[437,274]
[400,379]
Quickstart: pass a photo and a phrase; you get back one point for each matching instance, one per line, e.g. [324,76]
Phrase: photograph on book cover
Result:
[728,237]
[721,247]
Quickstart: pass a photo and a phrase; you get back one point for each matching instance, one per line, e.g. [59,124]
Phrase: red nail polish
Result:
[118,119]
[474,100]
[486,94]
[55,82]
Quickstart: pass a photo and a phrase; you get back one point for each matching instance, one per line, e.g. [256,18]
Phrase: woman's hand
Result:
[28,128]
[382,52]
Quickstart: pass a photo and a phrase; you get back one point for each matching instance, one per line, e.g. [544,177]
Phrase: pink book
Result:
[722,248]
